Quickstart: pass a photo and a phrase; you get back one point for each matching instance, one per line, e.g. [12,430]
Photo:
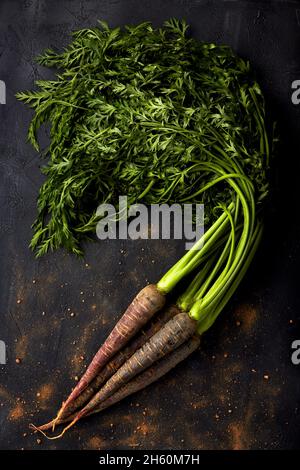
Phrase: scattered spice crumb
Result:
[39,441]
[17,412]
[45,392]
[266,377]
[143,429]
[18,360]
[248,314]
[19,301]
[95,443]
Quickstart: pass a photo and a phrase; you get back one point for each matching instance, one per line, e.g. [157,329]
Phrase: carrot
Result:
[118,360]
[153,373]
[168,338]
[150,375]
[122,356]
[174,333]
[147,302]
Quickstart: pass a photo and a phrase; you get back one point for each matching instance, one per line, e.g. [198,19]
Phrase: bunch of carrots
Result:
[187,125]
[151,338]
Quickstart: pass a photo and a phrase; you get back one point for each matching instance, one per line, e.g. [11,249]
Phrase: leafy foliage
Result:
[149,113]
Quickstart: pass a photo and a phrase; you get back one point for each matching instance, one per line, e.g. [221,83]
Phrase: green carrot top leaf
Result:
[149,113]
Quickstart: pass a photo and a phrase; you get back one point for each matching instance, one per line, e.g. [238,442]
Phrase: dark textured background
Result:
[219,399]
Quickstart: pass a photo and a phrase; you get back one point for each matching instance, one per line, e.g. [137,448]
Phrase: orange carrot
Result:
[147,302]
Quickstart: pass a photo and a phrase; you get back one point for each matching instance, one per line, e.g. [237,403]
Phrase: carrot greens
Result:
[149,113]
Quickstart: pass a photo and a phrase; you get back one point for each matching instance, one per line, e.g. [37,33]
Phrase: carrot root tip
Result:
[65,429]
[43,427]
[38,429]
[57,417]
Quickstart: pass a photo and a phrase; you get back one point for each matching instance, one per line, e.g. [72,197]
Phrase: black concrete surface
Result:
[240,391]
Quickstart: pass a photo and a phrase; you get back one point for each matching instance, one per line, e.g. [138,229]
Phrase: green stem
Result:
[186,300]
[211,298]
[207,322]
[229,247]
[146,190]
[193,257]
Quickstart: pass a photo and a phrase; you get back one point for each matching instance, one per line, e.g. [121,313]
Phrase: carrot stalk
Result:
[150,375]
[147,302]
